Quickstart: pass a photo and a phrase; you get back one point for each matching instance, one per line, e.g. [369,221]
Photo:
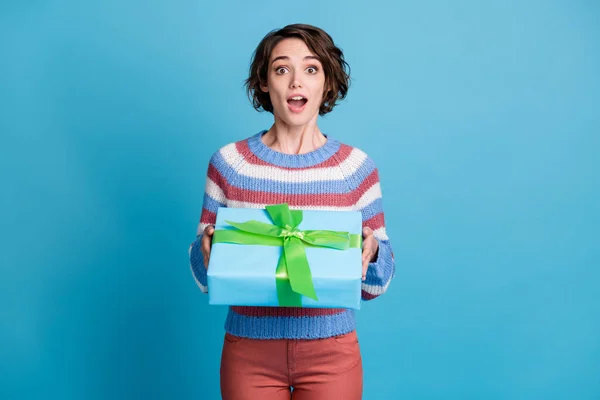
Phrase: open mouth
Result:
[297,103]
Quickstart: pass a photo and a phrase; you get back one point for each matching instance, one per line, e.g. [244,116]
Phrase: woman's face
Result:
[295,82]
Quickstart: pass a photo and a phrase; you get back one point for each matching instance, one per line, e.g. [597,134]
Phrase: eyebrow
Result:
[287,58]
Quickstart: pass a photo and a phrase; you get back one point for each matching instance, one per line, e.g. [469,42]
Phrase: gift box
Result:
[287,258]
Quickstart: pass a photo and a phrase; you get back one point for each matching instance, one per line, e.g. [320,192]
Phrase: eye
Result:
[280,70]
[312,70]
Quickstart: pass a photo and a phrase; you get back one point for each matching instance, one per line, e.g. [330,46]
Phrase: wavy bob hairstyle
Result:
[335,68]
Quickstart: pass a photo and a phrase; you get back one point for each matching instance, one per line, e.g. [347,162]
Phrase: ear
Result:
[264,88]
[327,89]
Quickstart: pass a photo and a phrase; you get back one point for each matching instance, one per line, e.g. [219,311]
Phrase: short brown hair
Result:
[336,69]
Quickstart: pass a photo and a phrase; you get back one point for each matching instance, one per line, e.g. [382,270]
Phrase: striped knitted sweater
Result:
[335,176]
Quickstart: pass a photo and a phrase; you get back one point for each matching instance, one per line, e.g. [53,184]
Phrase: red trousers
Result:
[319,369]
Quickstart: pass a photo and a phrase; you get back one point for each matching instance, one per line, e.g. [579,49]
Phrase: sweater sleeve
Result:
[214,197]
[382,270]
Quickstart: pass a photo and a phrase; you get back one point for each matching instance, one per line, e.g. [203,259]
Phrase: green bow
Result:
[293,276]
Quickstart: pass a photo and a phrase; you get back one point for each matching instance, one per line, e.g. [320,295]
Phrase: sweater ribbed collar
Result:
[267,154]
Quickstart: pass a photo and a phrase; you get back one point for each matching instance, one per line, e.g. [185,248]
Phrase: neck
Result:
[289,139]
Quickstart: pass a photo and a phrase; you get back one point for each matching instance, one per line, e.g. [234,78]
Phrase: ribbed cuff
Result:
[380,271]
[197,264]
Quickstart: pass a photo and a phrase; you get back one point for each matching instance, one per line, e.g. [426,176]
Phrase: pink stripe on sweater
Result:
[375,222]
[285,311]
[296,200]
[367,295]
[208,217]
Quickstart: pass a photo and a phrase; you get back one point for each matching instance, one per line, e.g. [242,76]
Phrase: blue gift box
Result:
[244,274]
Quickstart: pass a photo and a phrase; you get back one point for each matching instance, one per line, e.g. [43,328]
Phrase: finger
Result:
[374,245]
[205,248]
[367,253]
[368,258]
[206,258]
[209,230]
[205,243]
[369,244]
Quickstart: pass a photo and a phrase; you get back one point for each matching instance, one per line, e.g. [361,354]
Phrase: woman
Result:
[297,73]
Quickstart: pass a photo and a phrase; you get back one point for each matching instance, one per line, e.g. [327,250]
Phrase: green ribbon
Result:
[293,276]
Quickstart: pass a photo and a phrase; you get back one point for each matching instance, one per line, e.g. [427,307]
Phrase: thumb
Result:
[367,231]
[209,230]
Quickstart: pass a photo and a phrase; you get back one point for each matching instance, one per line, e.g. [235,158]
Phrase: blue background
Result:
[483,118]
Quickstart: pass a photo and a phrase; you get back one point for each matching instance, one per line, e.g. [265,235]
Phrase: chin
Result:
[297,119]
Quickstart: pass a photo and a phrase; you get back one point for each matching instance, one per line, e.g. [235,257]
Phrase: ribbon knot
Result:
[290,233]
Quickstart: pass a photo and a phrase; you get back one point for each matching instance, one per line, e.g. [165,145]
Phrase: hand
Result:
[206,243]
[370,246]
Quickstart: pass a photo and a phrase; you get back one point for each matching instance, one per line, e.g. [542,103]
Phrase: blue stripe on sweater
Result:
[371,209]
[211,204]
[339,186]
[197,262]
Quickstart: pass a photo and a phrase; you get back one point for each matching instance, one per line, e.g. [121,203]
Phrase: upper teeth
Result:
[297,98]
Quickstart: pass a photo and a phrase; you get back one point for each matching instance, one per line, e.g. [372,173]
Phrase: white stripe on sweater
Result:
[380,234]
[215,191]
[203,289]
[376,290]
[232,157]
[372,194]
[245,204]
[201,227]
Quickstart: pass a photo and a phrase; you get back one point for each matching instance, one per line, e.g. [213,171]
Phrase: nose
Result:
[295,82]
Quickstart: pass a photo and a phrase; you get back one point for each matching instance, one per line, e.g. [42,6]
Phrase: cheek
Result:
[276,94]
[320,90]
[318,97]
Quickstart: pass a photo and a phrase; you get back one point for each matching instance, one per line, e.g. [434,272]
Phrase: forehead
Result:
[292,48]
